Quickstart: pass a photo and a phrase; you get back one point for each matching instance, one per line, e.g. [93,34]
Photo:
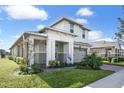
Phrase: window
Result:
[83,35]
[72,28]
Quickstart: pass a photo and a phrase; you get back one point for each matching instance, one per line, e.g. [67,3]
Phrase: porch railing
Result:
[61,57]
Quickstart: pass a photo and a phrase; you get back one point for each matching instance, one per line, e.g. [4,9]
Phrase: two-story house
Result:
[64,41]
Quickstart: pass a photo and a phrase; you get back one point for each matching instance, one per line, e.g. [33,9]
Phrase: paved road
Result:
[115,80]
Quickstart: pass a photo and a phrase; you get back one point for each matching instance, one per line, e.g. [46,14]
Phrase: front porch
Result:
[58,51]
[41,48]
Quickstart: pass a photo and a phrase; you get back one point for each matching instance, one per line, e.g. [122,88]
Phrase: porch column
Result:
[20,51]
[50,50]
[31,51]
[88,50]
[70,52]
[24,50]
[24,47]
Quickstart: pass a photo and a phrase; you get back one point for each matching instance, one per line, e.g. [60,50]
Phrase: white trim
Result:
[61,31]
[39,34]
[70,20]
[30,33]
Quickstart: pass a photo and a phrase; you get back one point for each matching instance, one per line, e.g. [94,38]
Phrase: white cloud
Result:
[40,27]
[81,20]
[98,36]
[26,12]
[95,35]
[84,12]
[16,36]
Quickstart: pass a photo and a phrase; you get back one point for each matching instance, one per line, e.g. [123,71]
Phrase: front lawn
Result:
[116,64]
[56,78]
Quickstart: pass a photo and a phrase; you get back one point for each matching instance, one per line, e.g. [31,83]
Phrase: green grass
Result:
[55,78]
[115,64]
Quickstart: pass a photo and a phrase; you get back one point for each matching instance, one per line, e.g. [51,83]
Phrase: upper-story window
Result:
[83,34]
[71,28]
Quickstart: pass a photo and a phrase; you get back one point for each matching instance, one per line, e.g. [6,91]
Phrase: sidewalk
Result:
[111,67]
[115,80]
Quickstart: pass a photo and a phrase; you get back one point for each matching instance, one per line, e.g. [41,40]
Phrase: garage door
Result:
[79,54]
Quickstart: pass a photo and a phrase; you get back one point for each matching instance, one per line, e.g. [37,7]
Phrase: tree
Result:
[93,61]
[120,34]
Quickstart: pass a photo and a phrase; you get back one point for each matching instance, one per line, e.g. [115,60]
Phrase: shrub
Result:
[82,65]
[21,60]
[93,61]
[120,59]
[2,55]
[24,61]
[14,58]
[10,57]
[114,60]
[36,68]
[23,68]
[17,60]
[52,63]
[104,58]
[109,59]
[63,64]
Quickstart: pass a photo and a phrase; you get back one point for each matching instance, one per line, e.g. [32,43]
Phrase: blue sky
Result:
[16,19]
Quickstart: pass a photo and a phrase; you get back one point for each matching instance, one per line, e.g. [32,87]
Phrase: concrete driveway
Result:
[115,80]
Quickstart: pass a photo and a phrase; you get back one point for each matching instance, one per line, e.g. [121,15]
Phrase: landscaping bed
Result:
[55,78]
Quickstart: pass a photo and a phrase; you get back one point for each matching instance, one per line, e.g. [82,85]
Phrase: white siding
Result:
[15,51]
[78,31]
[65,26]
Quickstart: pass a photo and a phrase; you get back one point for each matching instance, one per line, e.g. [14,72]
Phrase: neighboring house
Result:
[3,52]
[64,41]
[106,49]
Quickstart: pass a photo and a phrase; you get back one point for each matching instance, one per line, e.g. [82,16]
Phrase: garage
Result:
[79,53]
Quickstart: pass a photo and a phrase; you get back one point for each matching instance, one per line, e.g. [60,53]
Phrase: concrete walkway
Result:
[111,67]
[115,80]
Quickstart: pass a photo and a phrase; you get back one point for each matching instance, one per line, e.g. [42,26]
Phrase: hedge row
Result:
[54,64]
[23,66]
[18,60]
[116,59]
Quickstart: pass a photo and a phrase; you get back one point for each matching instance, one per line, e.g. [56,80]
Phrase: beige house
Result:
[106,48]
[64,41]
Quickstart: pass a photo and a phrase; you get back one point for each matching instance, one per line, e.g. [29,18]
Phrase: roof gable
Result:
[71,21]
